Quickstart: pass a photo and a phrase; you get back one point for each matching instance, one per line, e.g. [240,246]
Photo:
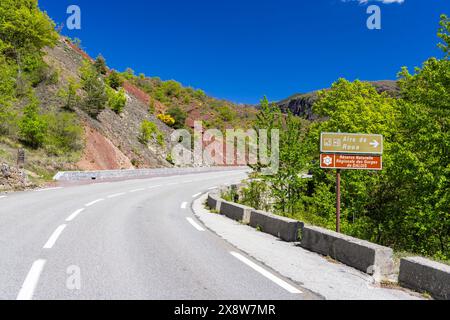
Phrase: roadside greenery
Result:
[407,205]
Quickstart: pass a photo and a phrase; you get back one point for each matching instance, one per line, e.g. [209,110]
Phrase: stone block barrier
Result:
[424,275]
[365,256]
[281,227]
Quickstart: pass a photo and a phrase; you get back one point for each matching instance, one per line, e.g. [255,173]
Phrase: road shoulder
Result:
[329,279]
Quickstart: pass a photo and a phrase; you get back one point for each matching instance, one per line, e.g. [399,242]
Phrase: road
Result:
[126,240]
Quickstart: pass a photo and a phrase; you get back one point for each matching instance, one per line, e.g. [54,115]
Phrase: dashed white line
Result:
[153,187]
[188,181]
[2,197]
[184,205]
[74,215]
[48,189]
[195,224]
[31,281]
[172,184]
[116,195]
[137,190]
[52,240]
[266,273]
[196,195]
[212,188]
[93,202]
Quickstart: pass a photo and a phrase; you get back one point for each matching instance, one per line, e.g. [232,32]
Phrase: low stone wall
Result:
[135,173]
[362,255]
[424,275]
[281,227]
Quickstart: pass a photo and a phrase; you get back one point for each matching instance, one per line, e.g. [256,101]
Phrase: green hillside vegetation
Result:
[24,32]
[185,101]
[407,205]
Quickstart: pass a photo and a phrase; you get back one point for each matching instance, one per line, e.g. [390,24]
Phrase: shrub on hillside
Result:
[65,133]
[32,126]
[117,100]
[178,115]
[150,131]
[114,80]
[100,65]
[95,89]
[167,119]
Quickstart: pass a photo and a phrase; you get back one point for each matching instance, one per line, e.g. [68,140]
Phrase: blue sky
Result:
[243,49]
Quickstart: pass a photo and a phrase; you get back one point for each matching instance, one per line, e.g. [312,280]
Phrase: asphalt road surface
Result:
[126,240]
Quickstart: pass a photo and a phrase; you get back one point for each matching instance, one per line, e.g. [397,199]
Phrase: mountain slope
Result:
[301,104]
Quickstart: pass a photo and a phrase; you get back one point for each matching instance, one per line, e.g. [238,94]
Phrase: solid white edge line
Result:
[52,240]
[266,273]
[93,202]
[116,195]
[29,285]
[195,224]
[184,205]
[196,195]
[74,215]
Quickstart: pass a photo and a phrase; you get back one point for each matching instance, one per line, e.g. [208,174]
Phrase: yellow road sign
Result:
[352,143]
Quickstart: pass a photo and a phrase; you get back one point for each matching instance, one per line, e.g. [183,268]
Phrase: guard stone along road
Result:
[351,162]
[352,143]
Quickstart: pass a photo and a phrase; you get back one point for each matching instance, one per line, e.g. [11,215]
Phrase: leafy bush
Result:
[117,100]
[114,80]
[65,133]
[33,126]
[167,119]
[178,115]
[150,131]
[70,96]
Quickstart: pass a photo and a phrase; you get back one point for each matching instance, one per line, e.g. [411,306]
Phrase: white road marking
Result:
[195,224]
[172,184]
[31,281]
[48,189]
[266,273]
[116,195]
[74,215]
[196,195]
[184,205]
[212,188]
[187,181]
[52,240]
[153,187]
[2,197]
[137,190]
[93,202]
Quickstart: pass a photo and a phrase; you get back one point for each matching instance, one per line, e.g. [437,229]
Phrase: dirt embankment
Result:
[101,154]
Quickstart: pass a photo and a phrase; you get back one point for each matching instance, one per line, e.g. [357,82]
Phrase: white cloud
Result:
[383,1]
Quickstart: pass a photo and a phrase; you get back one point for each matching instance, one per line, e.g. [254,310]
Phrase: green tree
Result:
[100,65]
[70,96]
[114,80]
[96,97]
[24,29]
[32,125]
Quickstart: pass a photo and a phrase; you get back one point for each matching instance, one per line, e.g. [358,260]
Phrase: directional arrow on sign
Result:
[375,143]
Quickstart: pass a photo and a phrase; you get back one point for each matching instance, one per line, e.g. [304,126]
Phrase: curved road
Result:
[126,240]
